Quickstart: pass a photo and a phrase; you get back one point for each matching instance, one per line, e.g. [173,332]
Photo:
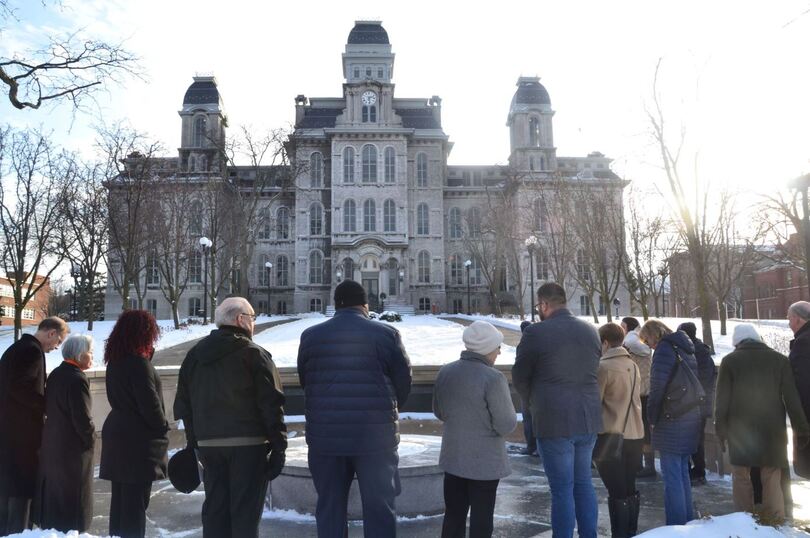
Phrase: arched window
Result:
[534,132]
[421,170]
[315,267]
[348,165]
[200,132]
[263,224]
[390,171]
[282,271]
[369,164]
[540,215]
[315,219]
[422,219]
[389,216]
[541,263]
[474,222]
[195,218]
[369,216]
[316,170]
[456,270]
[349,216]
[423,266]
[283,223]
[348,269]
[454,221]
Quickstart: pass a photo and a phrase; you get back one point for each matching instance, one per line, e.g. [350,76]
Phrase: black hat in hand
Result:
[184,470]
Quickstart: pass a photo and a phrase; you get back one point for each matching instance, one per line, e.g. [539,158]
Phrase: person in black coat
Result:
[356,375]
[707,373]
[22,412]
[230,400]
[65,498]
[134,438]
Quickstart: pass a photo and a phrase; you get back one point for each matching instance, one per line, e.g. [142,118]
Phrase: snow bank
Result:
[52,534]
[739,524]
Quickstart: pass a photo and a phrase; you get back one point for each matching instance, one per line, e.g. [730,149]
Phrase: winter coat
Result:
[230,387]
[22,412]
[555,371]
[678,435]
[707,373]
[754,389]
[473,400]
[66,477]
[134,437]
[800,363]
[615,375]
[641,354]
[356,375]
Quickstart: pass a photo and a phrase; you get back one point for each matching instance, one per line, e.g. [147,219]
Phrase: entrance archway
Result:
[370,279]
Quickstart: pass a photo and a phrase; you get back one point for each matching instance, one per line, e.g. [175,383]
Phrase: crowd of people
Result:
[606,398]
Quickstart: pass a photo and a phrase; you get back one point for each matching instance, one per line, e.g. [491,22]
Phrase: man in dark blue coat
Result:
[707,374]
[555,371]
[356,375]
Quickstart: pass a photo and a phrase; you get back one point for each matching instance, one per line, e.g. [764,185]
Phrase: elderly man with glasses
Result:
[230,399]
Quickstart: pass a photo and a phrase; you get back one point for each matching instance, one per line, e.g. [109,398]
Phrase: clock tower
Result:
[368,67]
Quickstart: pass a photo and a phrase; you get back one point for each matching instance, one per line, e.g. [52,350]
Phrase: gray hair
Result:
[230,309]
[73,347]
[800,309]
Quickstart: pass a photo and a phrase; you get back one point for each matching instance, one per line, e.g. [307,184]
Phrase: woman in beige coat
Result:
[619,387]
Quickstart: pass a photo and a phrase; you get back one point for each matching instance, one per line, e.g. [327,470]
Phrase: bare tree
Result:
[70,67]
[33,177]
[690,217]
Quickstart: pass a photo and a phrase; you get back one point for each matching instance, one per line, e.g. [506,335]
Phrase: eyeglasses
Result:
[251,316]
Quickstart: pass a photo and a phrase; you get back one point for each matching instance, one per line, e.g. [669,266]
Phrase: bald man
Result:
[230,400]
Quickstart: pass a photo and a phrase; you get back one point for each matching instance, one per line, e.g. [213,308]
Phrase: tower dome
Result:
[203,91]
[368,33]
[531,92]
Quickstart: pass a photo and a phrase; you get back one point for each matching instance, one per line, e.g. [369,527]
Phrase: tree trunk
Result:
[17,321]
[91,305]
[175,315]
[723,316]
[703,297]
[594,312]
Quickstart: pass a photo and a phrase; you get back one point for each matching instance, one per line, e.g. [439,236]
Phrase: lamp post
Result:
[70,304]
[205,245]
[76,272]
[269,266]
[467,264]
[339,274]
[401,278]
[531,243]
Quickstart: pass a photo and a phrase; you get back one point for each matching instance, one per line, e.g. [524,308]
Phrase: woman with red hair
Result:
[134,438]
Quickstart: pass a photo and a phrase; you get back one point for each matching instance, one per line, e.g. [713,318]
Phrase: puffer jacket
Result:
[641,354]
[678,435]
[356,375]
[229,387]
[707,373]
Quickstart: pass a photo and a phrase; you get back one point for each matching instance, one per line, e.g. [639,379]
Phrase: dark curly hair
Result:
[135,333]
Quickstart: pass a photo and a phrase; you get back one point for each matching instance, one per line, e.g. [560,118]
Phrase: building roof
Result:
[417,118]
[319,117]
[368,32]
[203,91]
[531,92]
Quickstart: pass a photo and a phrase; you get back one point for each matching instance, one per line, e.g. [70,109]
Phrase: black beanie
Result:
[689,328]
[350,293]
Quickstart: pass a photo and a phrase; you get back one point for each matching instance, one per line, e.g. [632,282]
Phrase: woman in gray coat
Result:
[473,400]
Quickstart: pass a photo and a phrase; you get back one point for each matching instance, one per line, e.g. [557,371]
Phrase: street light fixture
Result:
[269,266]
[339,274]
[531,244]
[467,264]
[205,246]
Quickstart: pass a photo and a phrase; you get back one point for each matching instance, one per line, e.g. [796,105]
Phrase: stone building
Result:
[369,195]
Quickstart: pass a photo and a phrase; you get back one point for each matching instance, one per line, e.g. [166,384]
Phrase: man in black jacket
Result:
[230,399]
[356,376]
[22,414]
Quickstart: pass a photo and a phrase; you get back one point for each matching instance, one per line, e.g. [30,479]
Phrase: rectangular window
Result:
[458,307]
[194,306]
[380,72]
[424,304]
[281,307]
[584,306]
[356,72]
[27,314]
[151,307]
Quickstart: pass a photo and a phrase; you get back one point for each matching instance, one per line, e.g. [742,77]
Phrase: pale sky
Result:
[736,73]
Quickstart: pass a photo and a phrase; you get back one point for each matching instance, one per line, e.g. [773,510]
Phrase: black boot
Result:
[619,510]
[635,507]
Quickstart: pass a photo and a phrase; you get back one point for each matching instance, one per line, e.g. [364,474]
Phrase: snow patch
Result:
[738,524]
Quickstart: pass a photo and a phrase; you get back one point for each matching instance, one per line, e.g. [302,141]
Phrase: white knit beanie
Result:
[482,338]
[744,331]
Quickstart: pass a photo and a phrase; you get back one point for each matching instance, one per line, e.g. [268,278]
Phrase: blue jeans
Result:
[567,462]
[677,488]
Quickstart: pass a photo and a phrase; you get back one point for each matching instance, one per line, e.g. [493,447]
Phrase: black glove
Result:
[275,463]
[801,441]
[722,442]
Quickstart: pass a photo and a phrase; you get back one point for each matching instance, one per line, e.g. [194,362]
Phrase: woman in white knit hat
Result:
[473,400]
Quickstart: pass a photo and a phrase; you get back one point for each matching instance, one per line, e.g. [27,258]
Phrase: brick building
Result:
[35,311]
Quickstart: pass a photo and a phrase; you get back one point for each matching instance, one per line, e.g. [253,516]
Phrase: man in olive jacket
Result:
[754,389]
[230,400]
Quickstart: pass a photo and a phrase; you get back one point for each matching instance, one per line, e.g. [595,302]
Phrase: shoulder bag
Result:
[609,446]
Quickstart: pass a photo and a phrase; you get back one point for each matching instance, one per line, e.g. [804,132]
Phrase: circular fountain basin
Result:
[420,478]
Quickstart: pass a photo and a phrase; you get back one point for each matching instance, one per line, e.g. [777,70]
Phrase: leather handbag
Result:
[609,446]
[683,391]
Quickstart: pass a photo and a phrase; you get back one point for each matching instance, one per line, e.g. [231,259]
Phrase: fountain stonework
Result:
[420,478]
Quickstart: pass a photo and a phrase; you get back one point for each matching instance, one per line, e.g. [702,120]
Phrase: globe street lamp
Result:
[467,264]
[269,267]
[401,278]
[339,274]
[205,246]
[531,244]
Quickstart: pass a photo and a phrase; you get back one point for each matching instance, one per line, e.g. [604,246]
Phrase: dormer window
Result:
[380,72]
[356,72]
[368,72]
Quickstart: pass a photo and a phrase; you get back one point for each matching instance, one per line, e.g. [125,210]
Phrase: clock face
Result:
[369,98]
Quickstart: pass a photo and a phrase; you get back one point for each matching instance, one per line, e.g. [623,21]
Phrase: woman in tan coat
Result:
[619,388]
